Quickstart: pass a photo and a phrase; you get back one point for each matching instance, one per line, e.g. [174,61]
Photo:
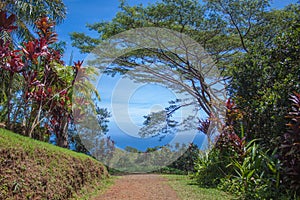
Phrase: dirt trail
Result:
[139,187]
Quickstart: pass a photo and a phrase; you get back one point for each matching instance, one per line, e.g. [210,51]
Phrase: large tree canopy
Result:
[226,30]
[221,27]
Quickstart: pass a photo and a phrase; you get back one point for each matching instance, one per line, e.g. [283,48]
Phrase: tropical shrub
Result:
[36,88]
[290,149]
[255,176]
[209,168]
[37,85]
[236,165]
[211,165]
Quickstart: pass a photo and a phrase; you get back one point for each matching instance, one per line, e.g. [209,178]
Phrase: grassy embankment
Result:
[187,189]
[31,169]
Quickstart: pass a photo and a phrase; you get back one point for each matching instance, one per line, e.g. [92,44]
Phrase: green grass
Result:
[11,140]
[187,189]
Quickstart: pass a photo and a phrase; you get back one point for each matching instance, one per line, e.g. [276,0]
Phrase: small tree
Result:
[41,101]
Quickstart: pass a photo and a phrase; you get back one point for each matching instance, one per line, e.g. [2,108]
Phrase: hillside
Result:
[30,169]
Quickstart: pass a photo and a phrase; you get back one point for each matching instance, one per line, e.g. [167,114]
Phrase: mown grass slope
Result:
[30,169]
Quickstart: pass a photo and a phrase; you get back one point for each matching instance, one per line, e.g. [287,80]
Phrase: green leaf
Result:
[250,174]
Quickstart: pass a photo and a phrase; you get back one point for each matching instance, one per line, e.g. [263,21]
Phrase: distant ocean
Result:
[123,140]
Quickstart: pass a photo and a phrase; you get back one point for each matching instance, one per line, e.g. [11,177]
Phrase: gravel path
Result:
[139,187]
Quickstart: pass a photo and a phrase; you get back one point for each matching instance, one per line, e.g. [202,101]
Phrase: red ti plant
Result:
[50,85]
[228,141]
[6,23]
[10,61]
[46,89]
[290,147]
[43,84]
[204,126]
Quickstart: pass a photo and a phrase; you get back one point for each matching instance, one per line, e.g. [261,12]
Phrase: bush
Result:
[255,177]
[171,170]
[186,162]
[211,166]
[290,149]
[209,169]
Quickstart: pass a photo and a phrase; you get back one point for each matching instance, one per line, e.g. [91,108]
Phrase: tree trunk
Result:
[62,135]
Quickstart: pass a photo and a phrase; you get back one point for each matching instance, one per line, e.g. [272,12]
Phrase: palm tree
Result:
[29,11]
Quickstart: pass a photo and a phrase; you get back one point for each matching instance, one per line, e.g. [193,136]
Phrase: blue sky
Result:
[81,12]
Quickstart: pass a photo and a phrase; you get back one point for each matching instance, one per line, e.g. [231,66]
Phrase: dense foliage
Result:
[262,81]
[256,156]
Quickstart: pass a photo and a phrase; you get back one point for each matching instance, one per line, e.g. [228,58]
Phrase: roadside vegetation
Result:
[188,189]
